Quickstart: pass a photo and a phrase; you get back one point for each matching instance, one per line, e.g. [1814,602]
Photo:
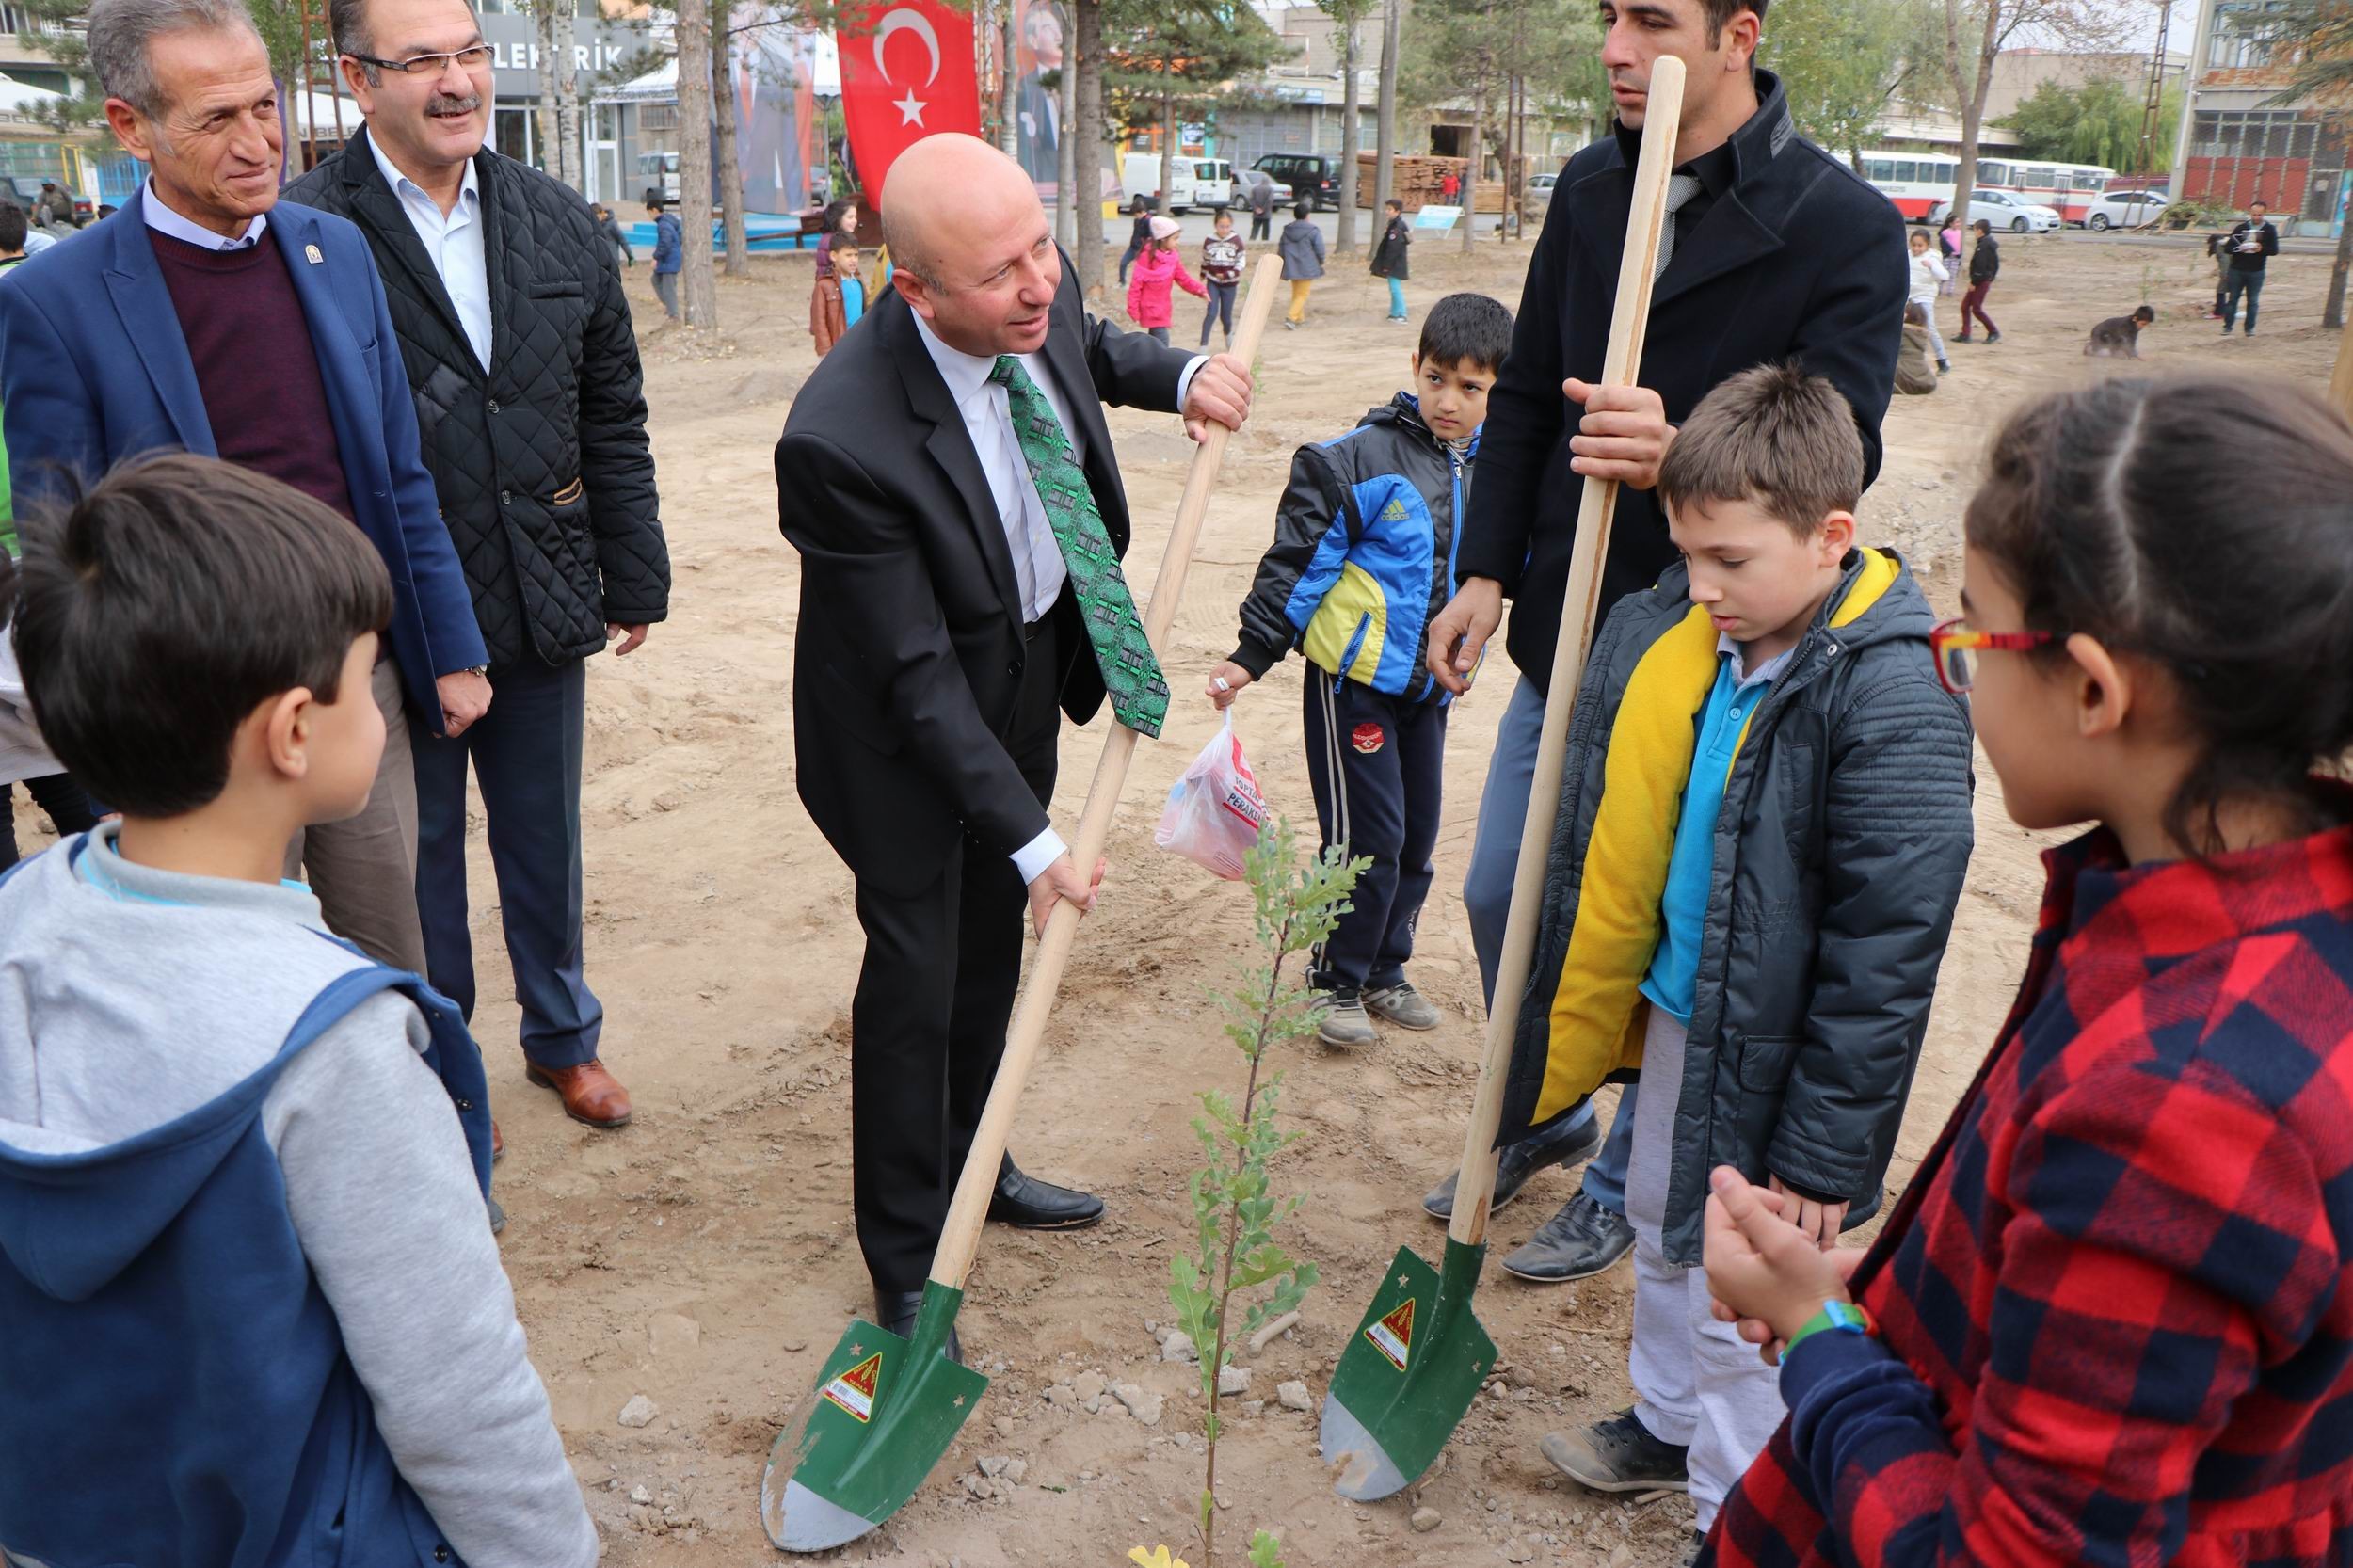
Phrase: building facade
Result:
[2240,144]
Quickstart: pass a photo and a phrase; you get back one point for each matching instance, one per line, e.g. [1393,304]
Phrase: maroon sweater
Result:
[254,362]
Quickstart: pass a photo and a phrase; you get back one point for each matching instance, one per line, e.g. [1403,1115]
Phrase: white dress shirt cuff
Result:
[1032,858]
[1184,382]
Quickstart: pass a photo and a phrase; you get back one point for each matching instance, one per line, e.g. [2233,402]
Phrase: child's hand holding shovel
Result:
[1764,1274]
[1225,683]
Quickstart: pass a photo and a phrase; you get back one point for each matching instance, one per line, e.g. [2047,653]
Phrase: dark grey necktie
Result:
[1680,188]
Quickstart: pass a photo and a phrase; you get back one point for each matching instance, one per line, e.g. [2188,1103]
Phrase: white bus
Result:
[1916,181]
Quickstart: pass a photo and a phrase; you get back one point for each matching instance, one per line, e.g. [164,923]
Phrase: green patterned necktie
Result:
[1138,691]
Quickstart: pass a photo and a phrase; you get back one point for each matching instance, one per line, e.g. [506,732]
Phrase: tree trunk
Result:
[1168,137]
[2332,313]
[1969,98]
[1470,175]
[723,108]
[565,166]
[1087,138]
[544,117]
[1066,153]
[1385,134]
[699,300]
[1008,84]
[1346,229]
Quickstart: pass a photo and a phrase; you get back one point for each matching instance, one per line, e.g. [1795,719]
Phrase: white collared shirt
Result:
[165,221]
[453,241]
[1037,565]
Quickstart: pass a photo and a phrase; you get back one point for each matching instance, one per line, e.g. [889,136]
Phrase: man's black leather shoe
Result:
[895,1310]
[1027,1204]
[1563,1145]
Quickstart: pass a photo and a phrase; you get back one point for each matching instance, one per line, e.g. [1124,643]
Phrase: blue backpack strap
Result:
[452,1055]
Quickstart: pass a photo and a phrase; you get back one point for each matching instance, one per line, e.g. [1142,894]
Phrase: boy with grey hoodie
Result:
[253,1312]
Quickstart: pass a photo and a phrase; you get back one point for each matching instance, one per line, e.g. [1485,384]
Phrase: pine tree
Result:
[1164,67]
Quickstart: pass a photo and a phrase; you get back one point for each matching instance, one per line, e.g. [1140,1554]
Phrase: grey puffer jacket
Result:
[1840,853]
[1301,246]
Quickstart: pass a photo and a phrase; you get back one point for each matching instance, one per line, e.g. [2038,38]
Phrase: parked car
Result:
[2002,210]
[2127,209]
[24,190]
[1540,188]
[1314,178]
[1247,179]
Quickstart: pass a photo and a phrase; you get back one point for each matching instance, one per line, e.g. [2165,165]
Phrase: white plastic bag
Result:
[1215,810]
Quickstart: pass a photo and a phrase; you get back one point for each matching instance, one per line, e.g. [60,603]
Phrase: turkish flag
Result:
[907,73]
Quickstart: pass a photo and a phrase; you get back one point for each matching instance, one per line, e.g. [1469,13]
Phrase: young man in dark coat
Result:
[517,338]
[1775,251]
[1389,257]
[2251,244]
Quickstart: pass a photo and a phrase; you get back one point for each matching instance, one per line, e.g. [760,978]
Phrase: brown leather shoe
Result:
[498,1144]
[592,1094]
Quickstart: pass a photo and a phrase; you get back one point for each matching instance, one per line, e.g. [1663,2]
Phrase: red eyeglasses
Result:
[1956,645]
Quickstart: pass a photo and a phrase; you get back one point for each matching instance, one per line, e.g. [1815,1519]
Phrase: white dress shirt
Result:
[1037,565]
[453,242]
[165,221]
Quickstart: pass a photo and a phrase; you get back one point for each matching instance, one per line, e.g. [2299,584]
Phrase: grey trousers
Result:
[364,869]
[666,290]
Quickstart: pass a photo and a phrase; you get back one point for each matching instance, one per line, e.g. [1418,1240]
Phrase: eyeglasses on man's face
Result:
[474,57]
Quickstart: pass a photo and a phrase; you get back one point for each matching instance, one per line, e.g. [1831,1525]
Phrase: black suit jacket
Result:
[1798,260]
[909,653]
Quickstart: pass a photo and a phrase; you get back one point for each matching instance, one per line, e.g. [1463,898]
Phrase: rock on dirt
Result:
[1424,1520]
[1233,1380]
[640,1411]
[1090,1388]
[1178,1345]
[1294,1396]
[1144,1407]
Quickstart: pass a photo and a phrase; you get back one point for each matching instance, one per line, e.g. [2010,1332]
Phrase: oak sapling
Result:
[1296,903]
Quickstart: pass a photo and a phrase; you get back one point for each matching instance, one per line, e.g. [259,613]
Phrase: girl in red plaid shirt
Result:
[2112,1320]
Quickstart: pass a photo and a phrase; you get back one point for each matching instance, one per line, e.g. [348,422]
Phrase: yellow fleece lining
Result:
[1599,1014]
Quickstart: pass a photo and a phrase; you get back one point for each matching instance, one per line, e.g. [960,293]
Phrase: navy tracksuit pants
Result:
[1375,762]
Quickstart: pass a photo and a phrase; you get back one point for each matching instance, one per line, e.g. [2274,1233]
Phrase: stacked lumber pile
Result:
[1415,181]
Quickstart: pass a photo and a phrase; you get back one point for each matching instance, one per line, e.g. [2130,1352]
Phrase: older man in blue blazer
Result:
[207,317]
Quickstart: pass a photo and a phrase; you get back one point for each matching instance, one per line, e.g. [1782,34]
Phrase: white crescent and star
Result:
[910,107]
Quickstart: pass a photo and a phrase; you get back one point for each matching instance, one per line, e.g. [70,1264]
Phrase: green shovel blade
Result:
[1410,1370]
[883,1412]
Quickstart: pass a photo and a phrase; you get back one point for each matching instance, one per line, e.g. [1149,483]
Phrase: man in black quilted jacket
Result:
[531,410]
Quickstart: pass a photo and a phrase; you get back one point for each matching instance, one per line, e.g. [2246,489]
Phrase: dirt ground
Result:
[704,1256]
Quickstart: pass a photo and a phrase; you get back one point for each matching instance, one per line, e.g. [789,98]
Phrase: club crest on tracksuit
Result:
[1367,738]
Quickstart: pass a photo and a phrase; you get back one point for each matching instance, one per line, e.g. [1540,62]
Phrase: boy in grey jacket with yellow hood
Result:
[1764,824]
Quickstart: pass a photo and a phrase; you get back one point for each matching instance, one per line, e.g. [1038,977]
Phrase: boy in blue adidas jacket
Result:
[1362,556]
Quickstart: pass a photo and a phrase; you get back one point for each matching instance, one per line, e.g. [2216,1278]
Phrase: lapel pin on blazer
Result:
[311,253]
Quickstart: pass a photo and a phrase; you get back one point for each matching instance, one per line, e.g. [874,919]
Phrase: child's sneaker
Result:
[1582,1240]
[1345,1024]
[1402,1005]
[1618,1455]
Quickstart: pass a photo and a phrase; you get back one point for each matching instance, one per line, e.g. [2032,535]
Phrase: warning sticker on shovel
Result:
[854,1390]
[1393,1336]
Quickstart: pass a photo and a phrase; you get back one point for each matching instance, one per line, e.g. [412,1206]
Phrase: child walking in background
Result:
[1926,274]
[1388,257]
[1364,541]
[850,275]
[1139,235]
[1221,256]
[1948,245]
[1985,264]
[828,317]
[1765,824]
[1301,246]
[2112,1319]
[1150,305]
[243,1166]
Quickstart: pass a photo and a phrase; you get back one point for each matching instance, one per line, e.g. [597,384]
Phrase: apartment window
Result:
[2240,37]
[657,117]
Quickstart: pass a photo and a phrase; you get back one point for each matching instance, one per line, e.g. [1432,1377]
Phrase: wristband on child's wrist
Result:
[1843,1317]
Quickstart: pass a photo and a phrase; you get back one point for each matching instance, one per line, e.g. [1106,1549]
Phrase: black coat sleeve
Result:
[615,459]
[1314,502]
[860,557]
[1132,370]
[1526,415]
[1852,328]
[1900,830]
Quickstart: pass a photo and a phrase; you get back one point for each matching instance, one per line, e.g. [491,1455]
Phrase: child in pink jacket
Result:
[1148,299]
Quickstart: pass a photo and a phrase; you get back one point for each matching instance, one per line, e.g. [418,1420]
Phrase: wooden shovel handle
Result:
[1475,1188]
[961,1237]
